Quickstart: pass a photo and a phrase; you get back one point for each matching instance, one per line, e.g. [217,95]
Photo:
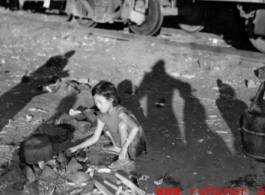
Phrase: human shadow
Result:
[156,96]
[127,92]
[19,96]
[231,109]
[181,143]
[14,100]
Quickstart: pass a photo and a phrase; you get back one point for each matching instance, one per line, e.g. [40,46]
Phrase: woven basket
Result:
[253,135]
[40,146]
[35,149]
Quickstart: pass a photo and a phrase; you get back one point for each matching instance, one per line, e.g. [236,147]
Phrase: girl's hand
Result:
[123,154]
[71,150]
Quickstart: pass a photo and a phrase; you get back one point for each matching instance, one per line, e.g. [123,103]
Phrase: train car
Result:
[145,17]
[252,11]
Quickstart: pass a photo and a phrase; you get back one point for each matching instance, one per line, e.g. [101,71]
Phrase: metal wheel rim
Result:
[257,41]
[84,21]
[203,12]
[155,14]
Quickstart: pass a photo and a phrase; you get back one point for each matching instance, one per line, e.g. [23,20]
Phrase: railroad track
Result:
[167,38]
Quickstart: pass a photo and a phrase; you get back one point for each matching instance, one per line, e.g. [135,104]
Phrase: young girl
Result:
[126,134]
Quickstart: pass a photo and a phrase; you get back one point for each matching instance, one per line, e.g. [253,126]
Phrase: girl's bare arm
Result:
[93,139]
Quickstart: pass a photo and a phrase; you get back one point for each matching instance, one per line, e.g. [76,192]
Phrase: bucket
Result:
[253,135]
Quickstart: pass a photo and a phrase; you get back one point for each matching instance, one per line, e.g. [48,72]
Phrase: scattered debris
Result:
[3,61]
[73,166]
[188,76]
[10,124]
[249,180]
[37,110]
[41,164]
[250,84]
[19,185]
[221,132]
[29,174]
[73,112]
[36,122]
[175,74]
[31,188]
[48,174]
[159,182]
[104,170]
[216,88]
[161,103]
[80,177]
[212,116]
[171,181]
[26,78]
[144,178]
[260,72]
[215,41]
[209,152]
[120,174]
[83,80]
[29,118]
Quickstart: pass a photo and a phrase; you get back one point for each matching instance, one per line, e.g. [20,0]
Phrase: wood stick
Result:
[105,189]
[116,188]
[126,180]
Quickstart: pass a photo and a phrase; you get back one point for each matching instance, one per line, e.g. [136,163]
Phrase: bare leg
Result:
[114,145]
[123,130]
[111,138]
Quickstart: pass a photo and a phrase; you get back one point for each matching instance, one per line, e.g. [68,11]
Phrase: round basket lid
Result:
[36,141]
[35,149]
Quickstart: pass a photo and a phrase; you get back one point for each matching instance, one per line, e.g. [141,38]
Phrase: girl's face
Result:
[103,104]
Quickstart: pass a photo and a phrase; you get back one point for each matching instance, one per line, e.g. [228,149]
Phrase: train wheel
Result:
[86,22]
[257,41]
[196,21]
[153,20]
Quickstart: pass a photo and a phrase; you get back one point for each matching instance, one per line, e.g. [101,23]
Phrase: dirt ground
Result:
[193,140]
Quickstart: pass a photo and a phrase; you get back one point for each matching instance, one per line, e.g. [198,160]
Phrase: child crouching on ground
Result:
[127,136]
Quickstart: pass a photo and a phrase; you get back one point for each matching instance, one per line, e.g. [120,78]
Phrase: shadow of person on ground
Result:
[181,143]
[231,109]
[22,94]
[14,100]
[155,93]
[127,92]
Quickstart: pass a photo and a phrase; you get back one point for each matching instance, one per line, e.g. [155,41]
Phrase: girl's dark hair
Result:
[108,90]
